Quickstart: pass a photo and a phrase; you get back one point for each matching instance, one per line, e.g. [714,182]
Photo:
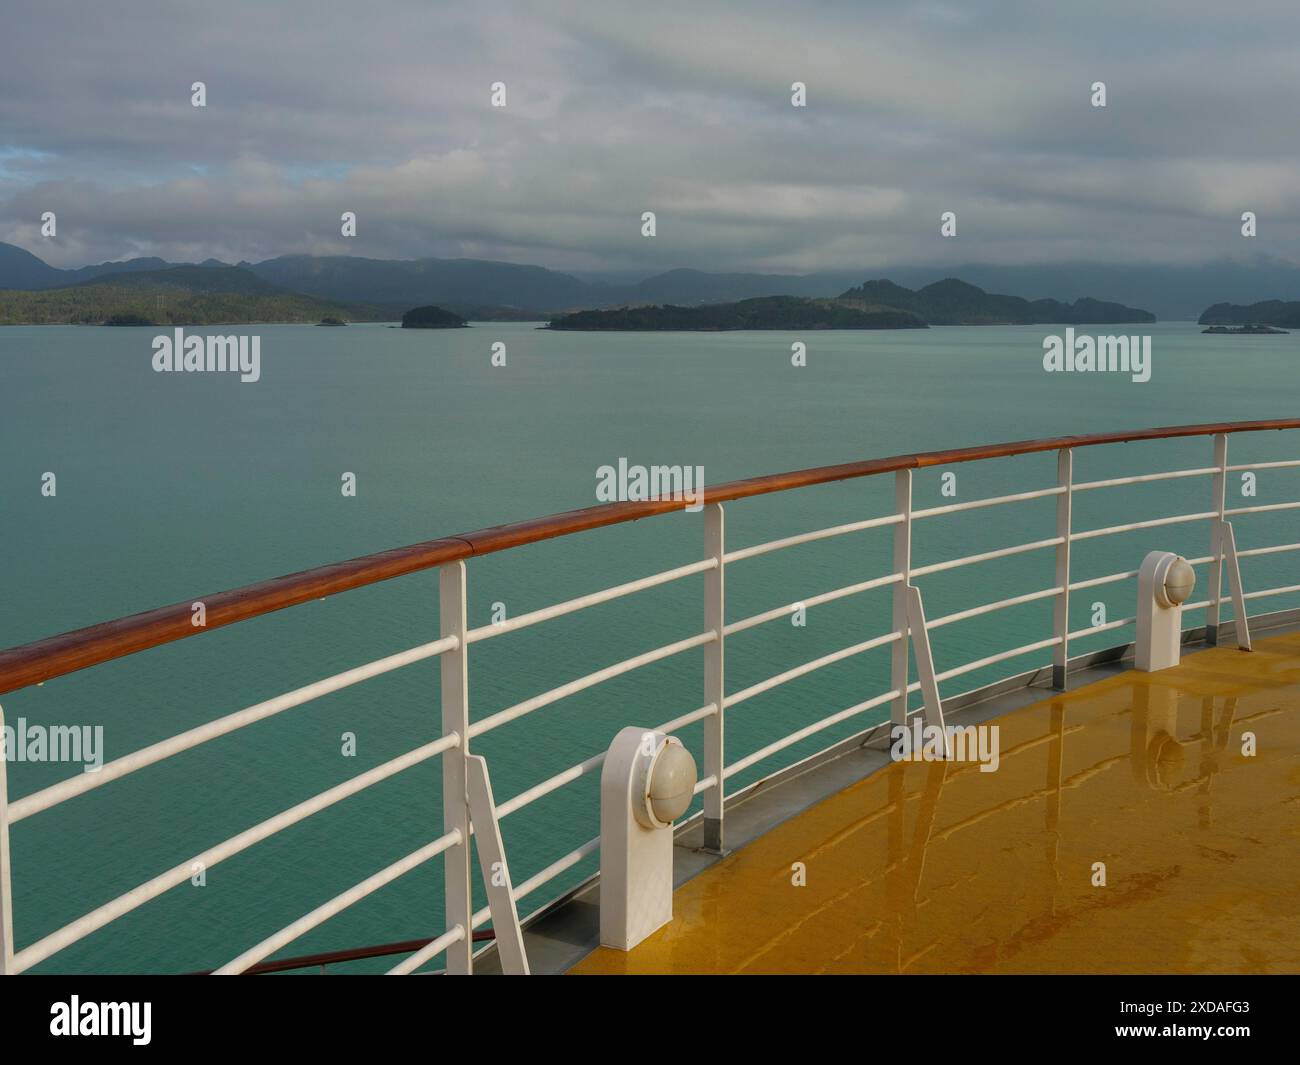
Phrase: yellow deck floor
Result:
[939,868]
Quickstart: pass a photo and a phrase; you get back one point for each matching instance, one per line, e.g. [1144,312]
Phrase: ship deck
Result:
[936,867]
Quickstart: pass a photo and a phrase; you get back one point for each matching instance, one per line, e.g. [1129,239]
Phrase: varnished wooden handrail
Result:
[54,656]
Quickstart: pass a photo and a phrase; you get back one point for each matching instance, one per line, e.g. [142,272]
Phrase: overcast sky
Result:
[615,108]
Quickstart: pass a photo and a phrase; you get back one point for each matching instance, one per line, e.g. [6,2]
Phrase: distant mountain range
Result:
[477,288]
[204,280]
[452,283]
[463,284]
[21,269]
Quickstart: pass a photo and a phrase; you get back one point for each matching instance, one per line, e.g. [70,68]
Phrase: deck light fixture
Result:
[648,781]
[1165,583]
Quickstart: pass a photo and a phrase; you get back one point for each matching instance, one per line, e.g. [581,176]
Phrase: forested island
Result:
[1245,330]
[1282,313]
[765,312]
[873,305]
[432,318]
[181,295]
[954,302]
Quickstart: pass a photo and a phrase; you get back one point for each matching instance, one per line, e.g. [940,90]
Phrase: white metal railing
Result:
[184,741]
[807,538]
[1019,497]
[907,626]
[512,713]
[534,617]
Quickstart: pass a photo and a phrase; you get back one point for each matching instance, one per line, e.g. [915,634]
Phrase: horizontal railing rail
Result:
[42,660]
[46,659]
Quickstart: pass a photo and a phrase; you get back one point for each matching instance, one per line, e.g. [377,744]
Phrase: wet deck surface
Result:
[934,867]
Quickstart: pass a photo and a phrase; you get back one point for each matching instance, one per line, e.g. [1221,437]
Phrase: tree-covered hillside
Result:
[189,295]
[953,302]
[1270,312]
[768,312]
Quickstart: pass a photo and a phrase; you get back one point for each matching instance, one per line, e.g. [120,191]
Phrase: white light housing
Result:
[1165,583]
[648,781]
[667,784]
[1179,581]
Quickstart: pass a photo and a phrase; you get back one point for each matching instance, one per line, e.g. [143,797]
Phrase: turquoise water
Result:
[173,486]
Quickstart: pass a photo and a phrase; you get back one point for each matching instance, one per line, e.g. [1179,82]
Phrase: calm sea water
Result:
[173,486]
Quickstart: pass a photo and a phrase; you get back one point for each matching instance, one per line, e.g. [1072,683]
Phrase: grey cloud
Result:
[681,108]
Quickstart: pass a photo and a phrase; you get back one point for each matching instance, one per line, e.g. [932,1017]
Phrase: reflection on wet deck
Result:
[935,867]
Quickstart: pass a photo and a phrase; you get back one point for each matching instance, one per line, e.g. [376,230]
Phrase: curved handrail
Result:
[54,656]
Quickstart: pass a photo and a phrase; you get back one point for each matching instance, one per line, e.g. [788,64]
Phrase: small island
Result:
[432,318]
[331,321]
[1245,330]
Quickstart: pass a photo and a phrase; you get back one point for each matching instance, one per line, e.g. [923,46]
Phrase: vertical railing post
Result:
[1061,613]
[898,674]
[454,668]
[1218,500]
[6,878]
[715,619]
